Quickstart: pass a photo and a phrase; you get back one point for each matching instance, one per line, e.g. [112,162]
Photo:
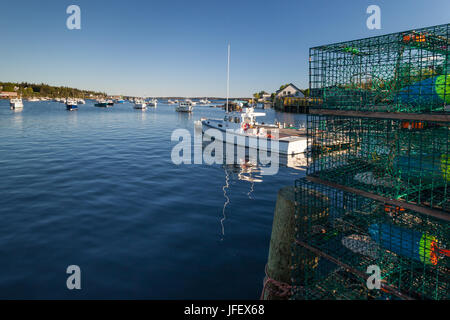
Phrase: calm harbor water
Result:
[97,188]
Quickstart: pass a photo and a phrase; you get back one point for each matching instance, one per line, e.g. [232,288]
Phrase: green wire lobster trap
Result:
[374,207]
[340,235]
[401,159]
[400,72]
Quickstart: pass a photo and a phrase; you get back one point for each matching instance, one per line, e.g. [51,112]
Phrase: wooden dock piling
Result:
[278,267]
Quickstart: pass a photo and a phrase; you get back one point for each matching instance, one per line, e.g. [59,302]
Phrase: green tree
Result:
[306,92]
[8,87]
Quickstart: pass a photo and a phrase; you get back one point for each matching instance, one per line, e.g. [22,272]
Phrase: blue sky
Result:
[162,48]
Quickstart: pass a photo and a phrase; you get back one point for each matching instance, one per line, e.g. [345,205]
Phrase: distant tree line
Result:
[26,89]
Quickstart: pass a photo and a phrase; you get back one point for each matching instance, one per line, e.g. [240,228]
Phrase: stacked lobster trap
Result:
[374,207]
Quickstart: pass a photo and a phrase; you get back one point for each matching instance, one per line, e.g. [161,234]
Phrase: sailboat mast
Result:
[228,77]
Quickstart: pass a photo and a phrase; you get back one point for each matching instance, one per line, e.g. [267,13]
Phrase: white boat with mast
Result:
[238,125]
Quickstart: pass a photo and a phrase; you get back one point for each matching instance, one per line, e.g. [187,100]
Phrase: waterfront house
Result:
[290,91]
[8,95]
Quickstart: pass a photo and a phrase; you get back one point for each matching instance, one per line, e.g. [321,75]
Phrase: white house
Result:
[290,91]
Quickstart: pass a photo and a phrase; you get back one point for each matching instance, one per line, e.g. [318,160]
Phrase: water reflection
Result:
[247,168]
[142,114]
[17,118]
[184,118]
[72,118]
[227,201]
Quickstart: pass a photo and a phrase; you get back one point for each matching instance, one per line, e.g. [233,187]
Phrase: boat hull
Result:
[184,109]
[16,105]
[286,147]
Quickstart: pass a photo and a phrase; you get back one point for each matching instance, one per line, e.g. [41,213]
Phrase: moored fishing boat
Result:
[140,104]
[153,102]
[190,102]
[101,103]
[243,130]
[184,106]
[16,103]
[71,104]
[204,101]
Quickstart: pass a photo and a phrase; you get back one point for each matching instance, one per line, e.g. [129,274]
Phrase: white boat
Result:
[153,103]
[204,101]
[16,103]
[190,102]
[244,124]
[140,104]
[242,129]
[81,101]
[171,101]
[34,99]
[71,104]
[184,106]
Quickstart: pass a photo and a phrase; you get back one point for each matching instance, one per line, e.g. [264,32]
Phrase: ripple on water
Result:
[97,188]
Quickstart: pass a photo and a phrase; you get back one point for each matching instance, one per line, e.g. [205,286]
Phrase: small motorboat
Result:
[140,104]
[184,106]
[204,101]
[192,103]
[101,103]
[16,103]
[71,104]
[153,103]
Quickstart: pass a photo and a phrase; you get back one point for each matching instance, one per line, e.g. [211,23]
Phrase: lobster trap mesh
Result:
[400,159]
[340,235]
[399,72]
